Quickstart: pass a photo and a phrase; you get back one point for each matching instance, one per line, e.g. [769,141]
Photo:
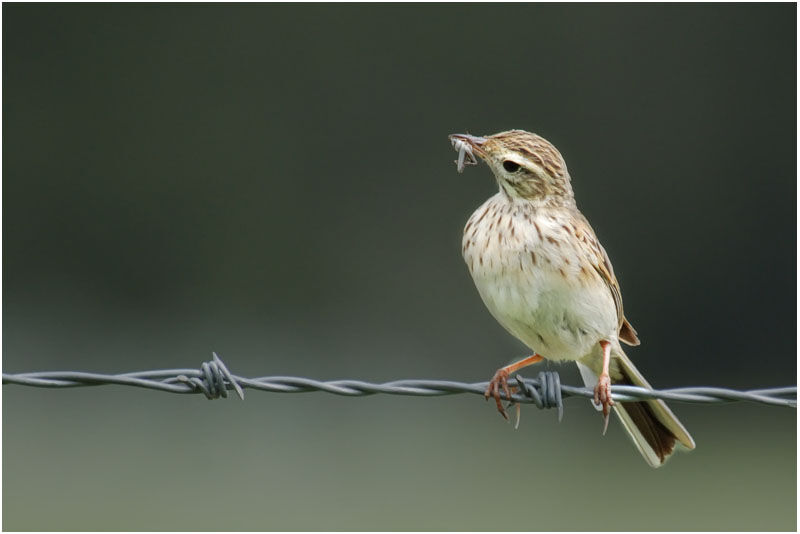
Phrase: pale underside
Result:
[523,261]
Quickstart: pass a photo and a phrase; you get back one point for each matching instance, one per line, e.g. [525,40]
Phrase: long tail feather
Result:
[652,425]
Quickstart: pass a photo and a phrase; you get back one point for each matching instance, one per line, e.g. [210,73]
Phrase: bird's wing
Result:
[602,264]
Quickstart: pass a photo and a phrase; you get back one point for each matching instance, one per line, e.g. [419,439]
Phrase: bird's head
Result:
[525,165]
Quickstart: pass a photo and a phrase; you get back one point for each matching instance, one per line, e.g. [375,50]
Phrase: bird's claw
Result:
[498,382]
[602,397]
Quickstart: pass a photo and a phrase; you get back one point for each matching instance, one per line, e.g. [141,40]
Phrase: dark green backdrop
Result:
[274,182]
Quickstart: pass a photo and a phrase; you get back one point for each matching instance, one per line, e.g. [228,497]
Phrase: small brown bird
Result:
[547,280]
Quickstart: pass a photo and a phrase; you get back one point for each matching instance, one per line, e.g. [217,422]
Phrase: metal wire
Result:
[214,380]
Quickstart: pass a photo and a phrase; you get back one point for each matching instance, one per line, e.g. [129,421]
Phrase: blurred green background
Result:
[274,182]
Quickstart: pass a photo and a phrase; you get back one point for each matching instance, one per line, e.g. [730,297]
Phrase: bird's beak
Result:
[476,143]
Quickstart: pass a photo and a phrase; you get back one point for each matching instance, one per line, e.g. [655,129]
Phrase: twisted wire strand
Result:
[214,380]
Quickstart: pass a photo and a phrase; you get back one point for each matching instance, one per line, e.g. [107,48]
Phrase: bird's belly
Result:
[558,318]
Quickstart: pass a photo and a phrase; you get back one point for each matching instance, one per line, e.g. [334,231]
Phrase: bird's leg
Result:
[500,381]
[602,391]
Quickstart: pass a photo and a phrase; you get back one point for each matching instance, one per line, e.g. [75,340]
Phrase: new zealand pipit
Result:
[545,277]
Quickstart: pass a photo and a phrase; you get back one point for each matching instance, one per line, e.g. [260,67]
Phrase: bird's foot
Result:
[602,396]
[499,382]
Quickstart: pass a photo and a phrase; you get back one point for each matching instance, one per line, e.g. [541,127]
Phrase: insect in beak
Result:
[464,144]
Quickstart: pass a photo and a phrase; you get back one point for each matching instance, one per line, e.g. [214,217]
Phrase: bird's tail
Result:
[652,425]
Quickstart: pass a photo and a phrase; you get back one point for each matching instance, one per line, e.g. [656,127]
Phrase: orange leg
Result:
[500,381]
[602,391]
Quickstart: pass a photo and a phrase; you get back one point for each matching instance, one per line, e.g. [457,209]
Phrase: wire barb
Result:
[548,394]
[213,379]
[212,383]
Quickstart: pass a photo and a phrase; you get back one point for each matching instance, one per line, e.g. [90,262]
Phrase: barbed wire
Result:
[214,380]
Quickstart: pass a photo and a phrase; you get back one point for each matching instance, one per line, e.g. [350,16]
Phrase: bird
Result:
[544,276]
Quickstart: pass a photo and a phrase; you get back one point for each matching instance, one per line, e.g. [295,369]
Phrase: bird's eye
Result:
[510,166]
